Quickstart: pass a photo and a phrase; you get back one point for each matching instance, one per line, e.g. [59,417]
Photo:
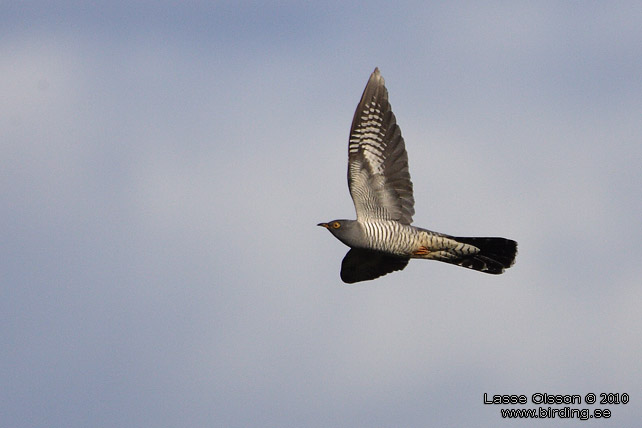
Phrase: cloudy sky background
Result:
[164,165]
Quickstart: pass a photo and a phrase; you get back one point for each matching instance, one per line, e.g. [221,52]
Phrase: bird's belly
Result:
[393,238]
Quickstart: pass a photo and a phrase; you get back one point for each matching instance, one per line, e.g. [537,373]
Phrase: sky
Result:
[164,166]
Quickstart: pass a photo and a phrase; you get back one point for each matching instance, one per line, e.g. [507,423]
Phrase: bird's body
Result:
[382,238]
[397,239]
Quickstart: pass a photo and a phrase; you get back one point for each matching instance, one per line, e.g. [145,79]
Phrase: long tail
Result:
[495,254]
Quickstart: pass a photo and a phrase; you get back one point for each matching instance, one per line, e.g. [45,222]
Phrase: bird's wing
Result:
[378,175]
[363,265]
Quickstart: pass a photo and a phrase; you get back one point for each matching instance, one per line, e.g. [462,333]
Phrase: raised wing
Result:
[378,175]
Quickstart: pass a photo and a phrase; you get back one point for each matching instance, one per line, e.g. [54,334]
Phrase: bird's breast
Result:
[391,237]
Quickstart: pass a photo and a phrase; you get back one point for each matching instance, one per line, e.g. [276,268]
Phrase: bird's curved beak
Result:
[324,225]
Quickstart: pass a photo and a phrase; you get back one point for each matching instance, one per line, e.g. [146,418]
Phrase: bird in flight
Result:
[382,239]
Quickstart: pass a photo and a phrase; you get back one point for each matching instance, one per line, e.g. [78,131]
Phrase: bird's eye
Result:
[336,225]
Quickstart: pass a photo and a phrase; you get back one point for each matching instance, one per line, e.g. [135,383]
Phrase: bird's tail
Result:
[495,254]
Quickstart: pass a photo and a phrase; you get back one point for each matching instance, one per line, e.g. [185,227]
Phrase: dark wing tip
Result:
[376,78]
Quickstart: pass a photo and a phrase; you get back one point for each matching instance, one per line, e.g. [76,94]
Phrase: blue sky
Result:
[164,165]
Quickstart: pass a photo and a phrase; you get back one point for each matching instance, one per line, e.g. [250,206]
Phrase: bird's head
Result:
[346,231]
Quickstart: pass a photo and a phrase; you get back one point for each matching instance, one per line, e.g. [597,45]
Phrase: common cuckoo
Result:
[382,239]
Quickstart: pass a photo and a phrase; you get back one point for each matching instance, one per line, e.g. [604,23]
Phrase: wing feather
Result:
[378,175]
[363,265]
